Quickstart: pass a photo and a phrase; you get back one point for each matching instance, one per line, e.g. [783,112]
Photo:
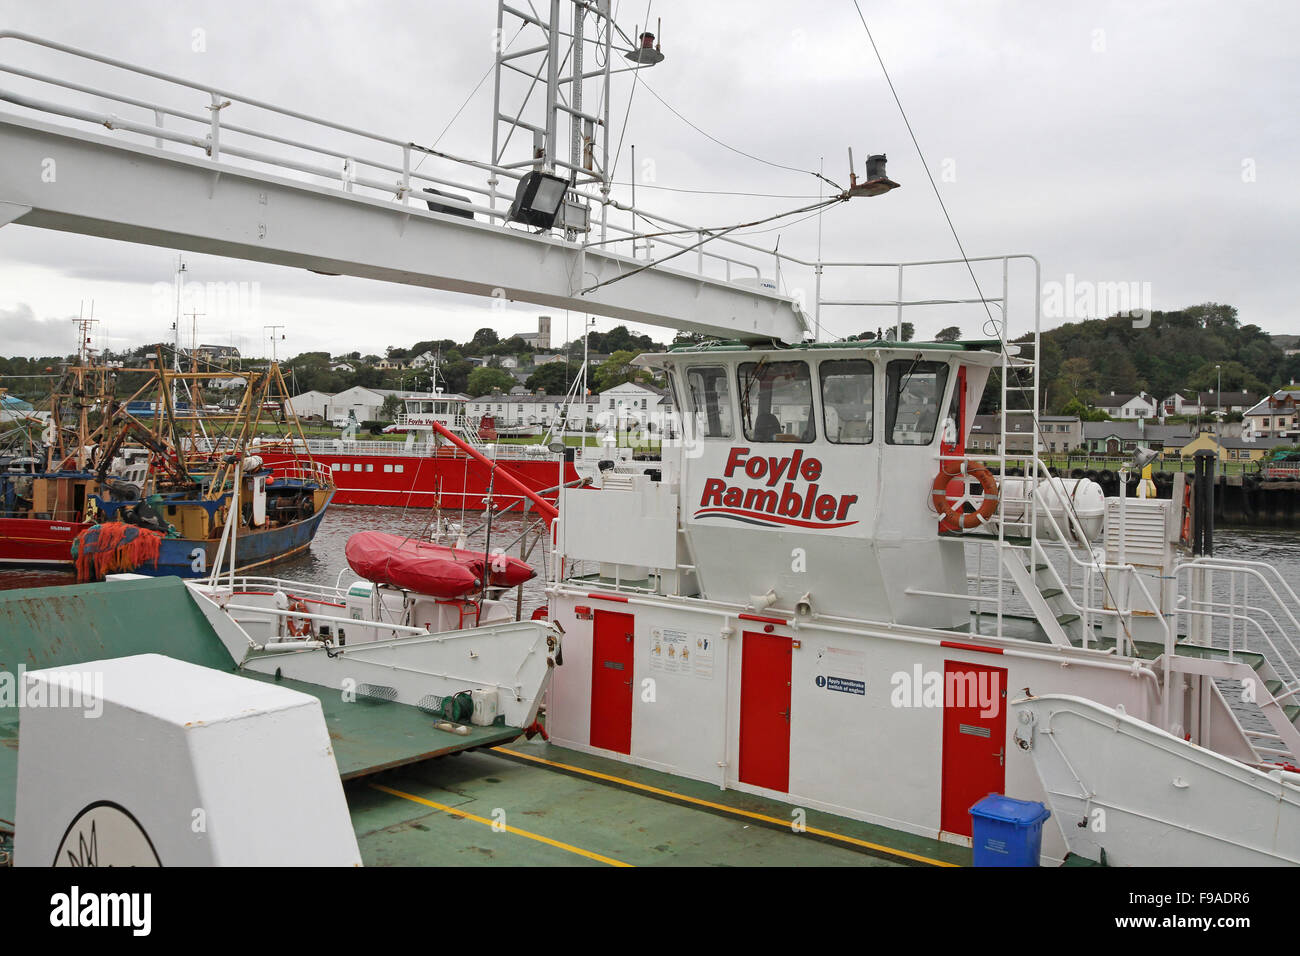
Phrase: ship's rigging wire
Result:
[712,234]
[741,152]
[999,326]
[472,94]
[921,155]
[724,192]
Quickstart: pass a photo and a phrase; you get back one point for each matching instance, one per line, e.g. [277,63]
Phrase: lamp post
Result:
[1218,414]
[176,324]
[274,329]
[587,324]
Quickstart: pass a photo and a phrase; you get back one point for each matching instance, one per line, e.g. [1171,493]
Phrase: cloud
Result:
[22,333]
[1110,140]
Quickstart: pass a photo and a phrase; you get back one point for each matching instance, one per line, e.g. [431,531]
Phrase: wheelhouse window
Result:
[913,391]
[776,402]
[710,395]
[848,400]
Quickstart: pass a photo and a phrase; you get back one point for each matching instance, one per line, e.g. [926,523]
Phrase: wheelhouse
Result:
[811,464]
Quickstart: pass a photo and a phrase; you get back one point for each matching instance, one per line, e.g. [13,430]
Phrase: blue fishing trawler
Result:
[167,495]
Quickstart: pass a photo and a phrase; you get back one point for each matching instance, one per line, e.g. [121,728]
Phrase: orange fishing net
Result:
[114,547]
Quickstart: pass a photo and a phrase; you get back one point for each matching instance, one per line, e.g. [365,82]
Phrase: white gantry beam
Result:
[55,177]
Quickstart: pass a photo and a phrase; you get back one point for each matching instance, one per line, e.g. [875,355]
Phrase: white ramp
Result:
[150,761]
[1121,787]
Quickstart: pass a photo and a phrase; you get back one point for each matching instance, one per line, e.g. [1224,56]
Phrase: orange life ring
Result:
[950,511]
[296,629]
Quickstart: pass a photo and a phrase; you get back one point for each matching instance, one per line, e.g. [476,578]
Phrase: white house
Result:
[523,410]
[630,402]
[1127,405]
[311,404]
[425,358]
[1277,416]
[1180,404]
[365,403]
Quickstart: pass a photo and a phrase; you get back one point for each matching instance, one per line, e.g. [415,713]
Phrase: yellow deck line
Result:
[500,826]
[785,824]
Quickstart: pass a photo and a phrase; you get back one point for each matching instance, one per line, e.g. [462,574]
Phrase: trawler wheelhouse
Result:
[421,411]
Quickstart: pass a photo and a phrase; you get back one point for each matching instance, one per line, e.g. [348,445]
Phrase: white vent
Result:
[620,481]
[1144,540]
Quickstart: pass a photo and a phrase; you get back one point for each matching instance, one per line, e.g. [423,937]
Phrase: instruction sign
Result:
[842,670]
[674,651]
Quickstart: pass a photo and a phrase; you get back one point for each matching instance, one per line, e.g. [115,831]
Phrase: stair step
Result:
[1273,686]
[1254,659]
[1292,711]
[1035,568]
[1064,619]
[1051,592]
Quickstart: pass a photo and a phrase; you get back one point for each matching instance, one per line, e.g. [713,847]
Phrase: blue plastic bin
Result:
[1007,831]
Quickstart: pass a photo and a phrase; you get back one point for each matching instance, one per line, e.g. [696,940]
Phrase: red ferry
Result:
[450,464]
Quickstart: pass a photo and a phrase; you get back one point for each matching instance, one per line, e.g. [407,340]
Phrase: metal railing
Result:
[305,471]
[359,162]
[1276,626]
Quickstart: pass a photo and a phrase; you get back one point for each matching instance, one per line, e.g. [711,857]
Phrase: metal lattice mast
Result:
[540,83]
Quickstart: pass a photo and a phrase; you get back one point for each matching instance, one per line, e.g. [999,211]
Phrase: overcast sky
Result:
[1152,143]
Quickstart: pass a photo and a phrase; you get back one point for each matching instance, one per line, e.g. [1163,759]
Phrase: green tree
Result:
[1236,377]
[454,374]
[483,380]
[1085,414]
[554,378]
[950,334]
[616,370]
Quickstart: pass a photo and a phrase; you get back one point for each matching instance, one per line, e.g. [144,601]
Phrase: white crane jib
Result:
[196,180]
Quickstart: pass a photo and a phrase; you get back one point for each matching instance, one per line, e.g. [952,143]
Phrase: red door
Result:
[765,711]
[974,740]
[611,681]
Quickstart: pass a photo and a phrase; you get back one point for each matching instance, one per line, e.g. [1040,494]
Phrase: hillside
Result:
[1178,351]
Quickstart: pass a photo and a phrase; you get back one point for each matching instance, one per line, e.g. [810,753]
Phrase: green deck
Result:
[598,812]
[37,630]
[559,807]
[368,736]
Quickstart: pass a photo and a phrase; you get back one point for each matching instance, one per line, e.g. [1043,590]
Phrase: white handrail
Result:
[343,170]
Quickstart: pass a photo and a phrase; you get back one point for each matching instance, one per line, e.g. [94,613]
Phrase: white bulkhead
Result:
[783,613]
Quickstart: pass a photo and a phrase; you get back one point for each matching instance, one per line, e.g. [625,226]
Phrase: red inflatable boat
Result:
[427,568]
